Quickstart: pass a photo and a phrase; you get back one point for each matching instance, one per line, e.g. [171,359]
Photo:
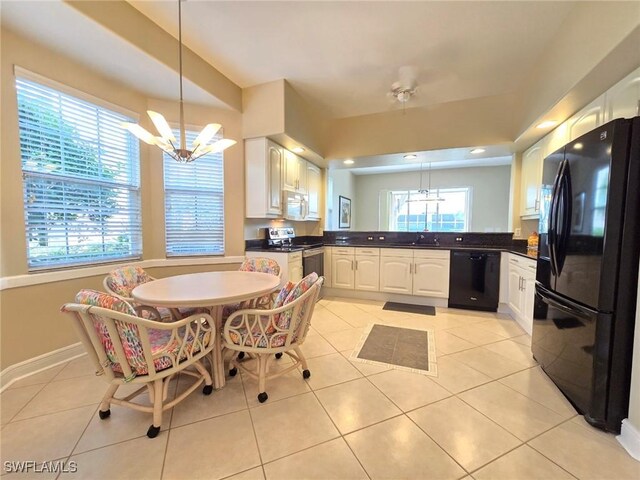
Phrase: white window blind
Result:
[194,204]
[81,180]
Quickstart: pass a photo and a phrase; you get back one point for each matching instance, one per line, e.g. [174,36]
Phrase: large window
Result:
[409,212]
[194,204]
[80,172]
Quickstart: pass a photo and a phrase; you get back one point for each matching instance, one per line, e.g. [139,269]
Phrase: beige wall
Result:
[342,183]
[263,110]
[33,312]
[481,121]
[489,194]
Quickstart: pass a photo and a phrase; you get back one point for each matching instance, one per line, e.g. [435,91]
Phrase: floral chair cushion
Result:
[303,285]
[124,279]
[260,264]
[160,340]
[256,331]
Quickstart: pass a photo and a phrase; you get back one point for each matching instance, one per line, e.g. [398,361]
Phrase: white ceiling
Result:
[344,56]
[65,30]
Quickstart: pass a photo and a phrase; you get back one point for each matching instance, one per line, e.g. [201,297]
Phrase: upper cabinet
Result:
[294,176]
[271,169]
[623,99]
[587,119]
[530,179]
[314,184]
[620,101]
[263,177]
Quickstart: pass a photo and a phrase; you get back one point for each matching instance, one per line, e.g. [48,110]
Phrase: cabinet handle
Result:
[410,268]
[356,264]
[351,264]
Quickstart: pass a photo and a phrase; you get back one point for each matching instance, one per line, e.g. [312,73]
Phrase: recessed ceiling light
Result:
[478,150]
[348,162]
[577,146]
[297,150]
[547,124]
[410,156]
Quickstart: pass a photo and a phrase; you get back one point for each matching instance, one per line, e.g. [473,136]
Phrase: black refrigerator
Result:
[586,280]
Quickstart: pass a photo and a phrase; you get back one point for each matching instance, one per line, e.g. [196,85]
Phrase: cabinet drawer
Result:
[367,251]
[343,250]
[440,254]
[294,257]
[396,252]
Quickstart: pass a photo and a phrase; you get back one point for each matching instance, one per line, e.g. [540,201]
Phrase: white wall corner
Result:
[629,438]
[15,372]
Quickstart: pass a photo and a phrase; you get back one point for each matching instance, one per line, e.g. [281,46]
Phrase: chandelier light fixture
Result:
[167,141]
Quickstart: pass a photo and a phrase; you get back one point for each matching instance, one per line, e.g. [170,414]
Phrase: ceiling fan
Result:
[406,86]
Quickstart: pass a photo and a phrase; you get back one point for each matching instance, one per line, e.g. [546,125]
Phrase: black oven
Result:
[313,261]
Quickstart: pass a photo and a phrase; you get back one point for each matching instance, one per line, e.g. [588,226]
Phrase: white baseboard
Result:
[37,364]
[385,297]
[629,438]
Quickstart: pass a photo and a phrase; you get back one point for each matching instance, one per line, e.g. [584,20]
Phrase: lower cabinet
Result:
[355,268]
[522,281]
[395,273]
[342,271]
[431,275]
[295,271]
[367,273]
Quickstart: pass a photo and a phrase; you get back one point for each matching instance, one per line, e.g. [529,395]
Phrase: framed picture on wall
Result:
[344,212]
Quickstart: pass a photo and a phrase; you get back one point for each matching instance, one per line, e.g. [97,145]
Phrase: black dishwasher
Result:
[474,280]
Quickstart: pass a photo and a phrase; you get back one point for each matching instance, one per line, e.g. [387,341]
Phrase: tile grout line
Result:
[341,435]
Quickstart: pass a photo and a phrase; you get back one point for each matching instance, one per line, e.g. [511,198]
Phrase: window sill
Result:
[17,281]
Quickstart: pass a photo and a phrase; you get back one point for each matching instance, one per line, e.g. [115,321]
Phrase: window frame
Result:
[393,218]
[130,186]
[192,131]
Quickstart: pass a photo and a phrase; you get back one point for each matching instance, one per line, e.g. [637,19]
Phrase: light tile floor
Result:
[491,413]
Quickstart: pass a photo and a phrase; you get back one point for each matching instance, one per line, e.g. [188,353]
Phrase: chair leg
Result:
[305,368]
[154,429]
[105,406]
[208,387]
[262,373]
[233,369]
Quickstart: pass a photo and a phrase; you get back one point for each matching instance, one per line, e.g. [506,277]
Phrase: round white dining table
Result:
[211,290]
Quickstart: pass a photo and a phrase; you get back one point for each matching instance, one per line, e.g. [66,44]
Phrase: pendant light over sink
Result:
[167,141]
[427,191]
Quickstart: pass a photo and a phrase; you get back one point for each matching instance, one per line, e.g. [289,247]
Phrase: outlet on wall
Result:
[517,232]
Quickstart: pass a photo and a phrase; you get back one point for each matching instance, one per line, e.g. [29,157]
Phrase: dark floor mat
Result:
[400,347]
[408,308]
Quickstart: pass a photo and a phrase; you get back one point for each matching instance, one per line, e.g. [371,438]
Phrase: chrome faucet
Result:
[419,237]
[436,242]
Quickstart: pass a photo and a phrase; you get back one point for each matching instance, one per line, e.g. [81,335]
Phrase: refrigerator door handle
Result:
[564,222]
[553,220]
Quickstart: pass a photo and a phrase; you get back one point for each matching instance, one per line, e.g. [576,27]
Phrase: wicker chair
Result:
[127,349]
[121,282]
[263,333]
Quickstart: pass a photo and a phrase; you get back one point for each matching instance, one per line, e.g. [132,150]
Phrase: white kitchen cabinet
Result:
[431,273]
[396,266]
[327,267]
[623,99]
[314,186]
[367,269]
[515,291]
[294,175]
[295,269]
[522,277]
[342,270]
[263,177]
[530,180]
[586,119]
